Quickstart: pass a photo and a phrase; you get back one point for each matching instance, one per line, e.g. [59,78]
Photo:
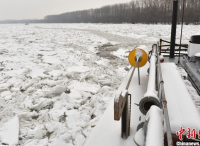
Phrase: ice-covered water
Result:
[55,83]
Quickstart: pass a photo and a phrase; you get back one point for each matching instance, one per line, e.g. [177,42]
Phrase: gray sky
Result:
[37,9]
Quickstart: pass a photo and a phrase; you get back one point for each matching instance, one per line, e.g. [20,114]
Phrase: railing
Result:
[161,50]
[122,104]
[161,95]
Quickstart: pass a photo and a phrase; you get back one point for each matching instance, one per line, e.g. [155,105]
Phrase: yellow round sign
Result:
[132,60]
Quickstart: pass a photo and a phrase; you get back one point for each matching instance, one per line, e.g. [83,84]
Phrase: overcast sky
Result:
[37,9]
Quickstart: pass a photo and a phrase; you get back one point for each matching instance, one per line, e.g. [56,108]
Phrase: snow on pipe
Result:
[151,134]
[150,97]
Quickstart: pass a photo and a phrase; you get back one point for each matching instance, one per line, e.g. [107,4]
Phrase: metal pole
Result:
[129,81]
[173,29]
[163,101]
[181,32]
[160,45]
[138,73]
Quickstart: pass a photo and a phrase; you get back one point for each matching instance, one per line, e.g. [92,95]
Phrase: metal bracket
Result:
[126,118]
[122,109]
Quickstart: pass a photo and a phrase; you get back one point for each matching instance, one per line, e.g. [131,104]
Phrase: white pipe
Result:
[151,96]
[151,134]
[151,87]
[155,134]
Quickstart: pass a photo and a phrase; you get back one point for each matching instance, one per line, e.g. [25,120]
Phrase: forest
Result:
[136,11]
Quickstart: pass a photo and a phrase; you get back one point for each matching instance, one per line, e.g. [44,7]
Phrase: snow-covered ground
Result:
[192,91]
[54,86]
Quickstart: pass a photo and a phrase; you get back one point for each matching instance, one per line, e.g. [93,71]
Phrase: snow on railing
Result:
[163,101]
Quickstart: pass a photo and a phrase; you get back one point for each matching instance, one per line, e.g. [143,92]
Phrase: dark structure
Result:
[173,30]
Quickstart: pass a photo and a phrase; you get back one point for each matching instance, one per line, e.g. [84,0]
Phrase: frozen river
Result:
[57,79]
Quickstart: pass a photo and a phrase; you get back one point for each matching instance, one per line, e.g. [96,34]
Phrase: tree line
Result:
[136,11]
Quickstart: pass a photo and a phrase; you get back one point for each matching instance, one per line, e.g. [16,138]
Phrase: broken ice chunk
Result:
[55,73]
[36,142]
[59,89]
[28,115]
[78,69]
[105,82]
[9,133]
[40,133]
[62,140]
[51,60]
[38,72]
[103,62]
[79,140]
[84,86]
[5,93]
[75,95]
[29,84]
